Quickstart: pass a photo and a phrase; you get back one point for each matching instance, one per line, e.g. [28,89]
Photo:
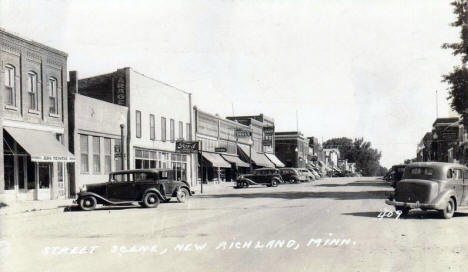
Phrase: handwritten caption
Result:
[230,245]
[389,214]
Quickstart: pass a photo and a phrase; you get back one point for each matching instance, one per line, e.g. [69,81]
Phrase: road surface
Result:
[330,225]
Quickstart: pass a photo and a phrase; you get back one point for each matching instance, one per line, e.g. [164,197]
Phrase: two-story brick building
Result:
[34,160]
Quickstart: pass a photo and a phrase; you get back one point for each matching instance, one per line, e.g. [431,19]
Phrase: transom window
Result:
[10,91]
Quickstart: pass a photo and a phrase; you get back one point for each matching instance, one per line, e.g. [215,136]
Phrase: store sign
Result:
[268,131]
[187,146]
[52,159]
[220,149]
[242,133]
[120,89]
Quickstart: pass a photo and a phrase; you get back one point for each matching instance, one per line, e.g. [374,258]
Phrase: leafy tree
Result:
[458,78]
[358,151]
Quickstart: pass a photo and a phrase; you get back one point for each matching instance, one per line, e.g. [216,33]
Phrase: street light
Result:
[122,146]
[250,142]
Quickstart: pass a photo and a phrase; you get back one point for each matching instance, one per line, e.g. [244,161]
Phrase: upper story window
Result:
[32,91]
[172,132]
[53,96]
[10,90]
[181,130]
[163,129]
[138,124]
[152,129]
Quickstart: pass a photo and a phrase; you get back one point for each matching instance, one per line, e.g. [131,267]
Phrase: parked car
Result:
[292,175]
[308,174]
[316,173]
[146,186]
[432,186]
[270,177]
[395,174]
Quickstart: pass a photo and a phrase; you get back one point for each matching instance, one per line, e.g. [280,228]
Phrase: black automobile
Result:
[395,174]
[270,177]
[146,186]
[292,175]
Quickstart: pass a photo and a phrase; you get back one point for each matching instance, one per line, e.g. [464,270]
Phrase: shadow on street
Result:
[356,183]
[304,195]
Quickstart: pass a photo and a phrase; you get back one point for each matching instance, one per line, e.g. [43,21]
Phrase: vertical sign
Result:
[120,88]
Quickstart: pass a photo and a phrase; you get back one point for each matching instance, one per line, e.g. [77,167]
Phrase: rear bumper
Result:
[413,205]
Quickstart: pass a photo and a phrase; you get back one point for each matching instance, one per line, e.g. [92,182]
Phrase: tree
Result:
[358,151]
[458,78]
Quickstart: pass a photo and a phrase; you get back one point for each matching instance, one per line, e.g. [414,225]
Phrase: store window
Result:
[107,155]
[9,173]
[53,96]
[181,130]
[152,130]
[163,129]
[84,152]
[10,83]
[96,155]
[138,124]
[32,91]
[172,133]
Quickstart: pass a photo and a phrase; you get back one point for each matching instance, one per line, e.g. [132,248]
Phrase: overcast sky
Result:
[361,68]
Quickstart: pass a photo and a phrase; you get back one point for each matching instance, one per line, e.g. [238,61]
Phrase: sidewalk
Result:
[16,207]
[213,188]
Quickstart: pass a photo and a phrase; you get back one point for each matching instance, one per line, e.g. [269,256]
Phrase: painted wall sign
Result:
[187,146]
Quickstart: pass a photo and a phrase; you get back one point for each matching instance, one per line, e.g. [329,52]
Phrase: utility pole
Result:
[437,104]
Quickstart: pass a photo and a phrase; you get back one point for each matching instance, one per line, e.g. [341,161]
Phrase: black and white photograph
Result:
[233,135]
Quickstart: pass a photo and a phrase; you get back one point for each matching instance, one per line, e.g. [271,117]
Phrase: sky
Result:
[361,68]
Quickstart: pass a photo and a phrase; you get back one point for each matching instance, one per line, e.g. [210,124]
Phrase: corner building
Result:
[34,160]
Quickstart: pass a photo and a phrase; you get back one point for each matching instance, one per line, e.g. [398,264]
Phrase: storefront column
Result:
[36,185]
[54,181]
[2,169]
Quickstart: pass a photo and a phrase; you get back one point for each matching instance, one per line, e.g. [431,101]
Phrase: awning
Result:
[257,158]
[216,160]
[236,160]
[42,146]
[274,160]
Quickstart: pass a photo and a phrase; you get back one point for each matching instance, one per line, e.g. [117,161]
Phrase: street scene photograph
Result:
[233,135]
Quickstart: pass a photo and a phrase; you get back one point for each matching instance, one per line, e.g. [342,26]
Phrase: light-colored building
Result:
[332,155]
[34,160]
[96,129]
[158,115]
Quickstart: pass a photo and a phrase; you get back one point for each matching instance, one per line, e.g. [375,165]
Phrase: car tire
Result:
[449,210]
[182,195]
[88,203]
[274,183]
[404,210]
[151,200]
[245,184]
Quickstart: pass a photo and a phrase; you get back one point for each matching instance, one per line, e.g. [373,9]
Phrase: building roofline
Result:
[34,43]
[220,118]
[161,82]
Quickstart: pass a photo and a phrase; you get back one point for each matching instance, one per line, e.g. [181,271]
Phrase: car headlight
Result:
[83,188]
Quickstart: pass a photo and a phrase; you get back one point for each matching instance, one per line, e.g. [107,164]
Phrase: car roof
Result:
[440,165]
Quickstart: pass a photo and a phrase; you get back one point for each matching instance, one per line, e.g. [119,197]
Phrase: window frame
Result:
[96,170]
[33,90]
[163,129]
[181,130]
[172,130]
[10,84]
[53,94]
[138,124]
[82,153]
[152,127]
[107,155]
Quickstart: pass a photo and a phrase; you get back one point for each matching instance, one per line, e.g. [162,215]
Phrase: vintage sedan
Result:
[292,175]
[146,186]
[432,186]
[263,176]
[395,174]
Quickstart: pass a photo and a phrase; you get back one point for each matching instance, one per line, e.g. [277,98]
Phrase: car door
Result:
[144,181]
[464,200]
[122,188]
[457,181]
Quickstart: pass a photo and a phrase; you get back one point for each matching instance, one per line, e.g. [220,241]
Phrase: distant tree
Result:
[458,78]
[407,161]
[357,151]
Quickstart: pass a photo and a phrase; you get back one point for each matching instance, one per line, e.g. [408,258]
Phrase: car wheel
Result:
[245,184]
[449,210]
[150,200]
[404,210]
[182,195]
[274,183]
[88,203]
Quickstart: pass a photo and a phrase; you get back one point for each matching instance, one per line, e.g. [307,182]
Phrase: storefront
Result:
[213,167]
[274,160]
[157,159]
[36,165]
[258,159]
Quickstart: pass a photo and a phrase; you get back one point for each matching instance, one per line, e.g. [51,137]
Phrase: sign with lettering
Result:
[52,159]
[187,146]
[242,133]
[120,91]
[220,149]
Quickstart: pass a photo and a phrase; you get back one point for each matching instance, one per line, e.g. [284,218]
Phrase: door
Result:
[457,184]
[122,187]
[464,200]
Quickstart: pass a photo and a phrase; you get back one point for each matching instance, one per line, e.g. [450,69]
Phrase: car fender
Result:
[443,197]
[180,187]
[249,181]
[155,191]
[98,197]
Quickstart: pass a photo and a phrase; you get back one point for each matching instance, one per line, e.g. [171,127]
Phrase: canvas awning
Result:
[257,158]
[42,146]
[236,160]
[216,160]
[274,160]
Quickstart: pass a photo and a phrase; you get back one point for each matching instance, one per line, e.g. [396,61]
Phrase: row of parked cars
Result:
[429,186]
[271,177]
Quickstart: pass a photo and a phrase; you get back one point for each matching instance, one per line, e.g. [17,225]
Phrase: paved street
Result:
[254,229]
